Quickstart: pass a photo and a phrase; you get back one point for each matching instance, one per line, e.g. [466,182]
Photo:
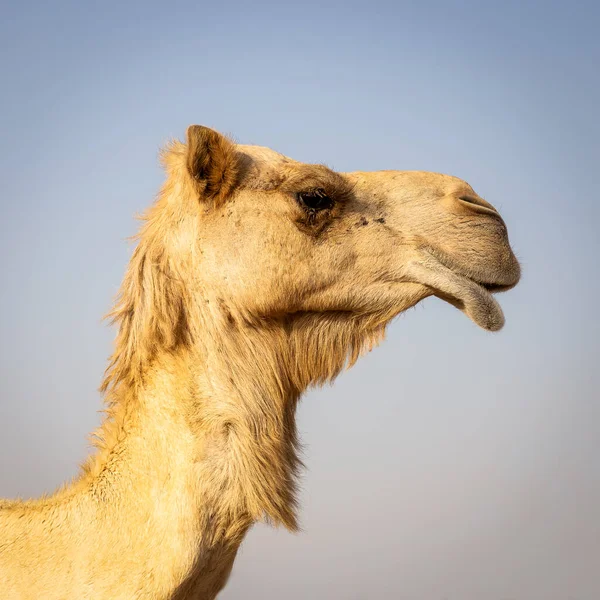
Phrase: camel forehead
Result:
[263,167]
[267,168]
[261,156]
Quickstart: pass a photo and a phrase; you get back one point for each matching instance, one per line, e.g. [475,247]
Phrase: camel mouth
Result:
[499,282]
[494,288]
[469,291]
[474,299]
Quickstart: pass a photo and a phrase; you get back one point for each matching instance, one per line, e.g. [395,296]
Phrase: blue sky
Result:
[450,463]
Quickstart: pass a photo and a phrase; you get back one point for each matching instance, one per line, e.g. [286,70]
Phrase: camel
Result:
[255,277]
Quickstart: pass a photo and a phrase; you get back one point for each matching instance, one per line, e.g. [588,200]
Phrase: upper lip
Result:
[486,284]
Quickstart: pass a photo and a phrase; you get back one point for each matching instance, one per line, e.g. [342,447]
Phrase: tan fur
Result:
[235,301]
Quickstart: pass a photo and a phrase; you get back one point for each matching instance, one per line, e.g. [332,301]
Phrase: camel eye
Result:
[315,200]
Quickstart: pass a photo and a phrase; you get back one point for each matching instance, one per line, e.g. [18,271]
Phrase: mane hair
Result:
[150,311]
[151,307]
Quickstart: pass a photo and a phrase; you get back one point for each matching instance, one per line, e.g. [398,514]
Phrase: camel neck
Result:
[193,455]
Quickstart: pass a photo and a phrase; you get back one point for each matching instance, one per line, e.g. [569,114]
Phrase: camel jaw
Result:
[471,296]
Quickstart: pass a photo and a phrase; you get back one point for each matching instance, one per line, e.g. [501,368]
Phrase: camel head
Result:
[255,276]
[261,238]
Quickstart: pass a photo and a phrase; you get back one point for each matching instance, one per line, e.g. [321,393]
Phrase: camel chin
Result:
[471,297]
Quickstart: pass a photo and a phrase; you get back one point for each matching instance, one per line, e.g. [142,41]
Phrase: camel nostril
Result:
[480,203]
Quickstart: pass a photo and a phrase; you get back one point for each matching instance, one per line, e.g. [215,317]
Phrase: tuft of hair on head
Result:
[212,162]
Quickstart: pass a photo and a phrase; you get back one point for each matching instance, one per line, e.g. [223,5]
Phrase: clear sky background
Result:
[449,464]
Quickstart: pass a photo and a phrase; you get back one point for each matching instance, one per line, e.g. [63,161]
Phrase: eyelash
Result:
[314,200]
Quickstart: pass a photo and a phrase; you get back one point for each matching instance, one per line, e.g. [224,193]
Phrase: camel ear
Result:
[211,162]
